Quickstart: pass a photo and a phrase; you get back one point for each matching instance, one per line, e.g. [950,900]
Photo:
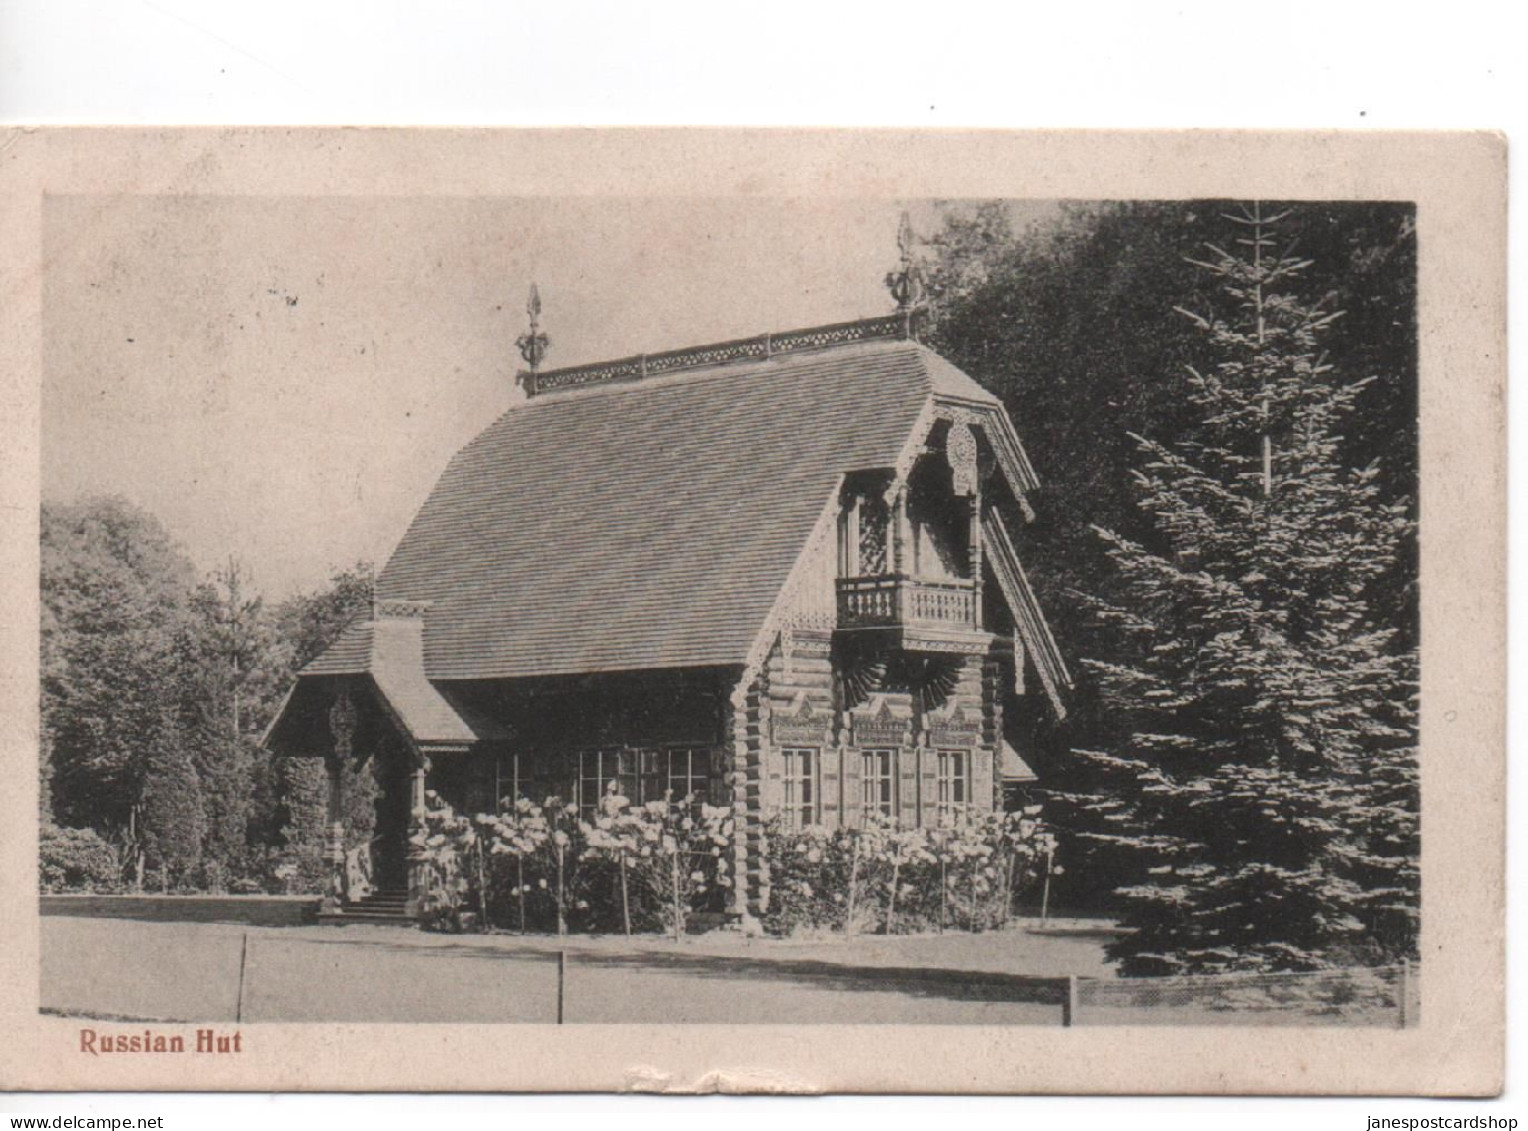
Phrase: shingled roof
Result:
[390,651]
[650,523]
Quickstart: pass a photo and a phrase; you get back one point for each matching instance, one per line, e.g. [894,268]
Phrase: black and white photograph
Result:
[736,609]
[1031,642]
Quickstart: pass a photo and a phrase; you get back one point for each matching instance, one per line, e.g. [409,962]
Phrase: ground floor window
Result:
[506,780]
[952,785]
[878,781]
[799,804]
[685,772]
[641,776]
[601,771]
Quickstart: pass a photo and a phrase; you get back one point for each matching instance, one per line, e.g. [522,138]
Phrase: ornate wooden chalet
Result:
[779,573]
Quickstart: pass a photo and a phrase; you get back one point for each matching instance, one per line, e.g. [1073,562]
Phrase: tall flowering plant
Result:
[677,851]
[617,837]
[963,873]
[447,844]
[532,865]
[518,833]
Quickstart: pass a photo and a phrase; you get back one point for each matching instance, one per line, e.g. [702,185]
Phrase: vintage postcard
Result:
[690,610]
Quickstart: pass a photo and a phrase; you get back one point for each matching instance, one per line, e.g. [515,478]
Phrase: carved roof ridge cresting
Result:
[891,327]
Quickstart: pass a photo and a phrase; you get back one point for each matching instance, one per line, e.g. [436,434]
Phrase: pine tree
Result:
[1257,774]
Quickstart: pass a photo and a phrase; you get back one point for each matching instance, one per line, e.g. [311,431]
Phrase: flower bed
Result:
[544,868]
[879,878]
[653,867]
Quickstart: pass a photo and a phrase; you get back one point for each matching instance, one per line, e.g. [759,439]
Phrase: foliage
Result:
[304,788]
[1067,320]
[155,689]
[540,867]
[310,622]
[113,591]
[77,860]
[226,689]
[174,819]
[1255,780]
[885,879]
[675,851]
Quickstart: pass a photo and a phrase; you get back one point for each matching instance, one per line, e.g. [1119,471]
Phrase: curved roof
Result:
[651,523]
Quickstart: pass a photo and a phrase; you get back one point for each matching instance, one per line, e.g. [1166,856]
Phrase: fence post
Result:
[1069,1002]
[1403,991]
[238,1012]
[1045,896]
[562,977]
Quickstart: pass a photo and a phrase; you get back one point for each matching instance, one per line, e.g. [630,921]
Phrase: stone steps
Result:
[379,908]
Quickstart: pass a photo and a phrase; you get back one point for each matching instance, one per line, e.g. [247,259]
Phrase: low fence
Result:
[1381,996]
[539,976]
[252,910]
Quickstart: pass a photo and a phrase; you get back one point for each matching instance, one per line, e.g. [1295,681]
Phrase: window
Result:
[597,769]
[799,806]
[641,776]
[953,786]
[688,771]
[878,781]
[506,780]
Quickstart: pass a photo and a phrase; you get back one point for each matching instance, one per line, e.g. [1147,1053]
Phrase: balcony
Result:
[919,614]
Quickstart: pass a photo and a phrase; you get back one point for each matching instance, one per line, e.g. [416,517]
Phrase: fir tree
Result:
[1257,771]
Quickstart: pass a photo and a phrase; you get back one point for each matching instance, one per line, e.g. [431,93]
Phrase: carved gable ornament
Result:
[878,728]
[960,452]
[803,726]
[342,720]
[954,729]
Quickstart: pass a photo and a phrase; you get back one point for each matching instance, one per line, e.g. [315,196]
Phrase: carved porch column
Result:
[976,558]
[418,876]
[342,718]
[960,453]
[899,552]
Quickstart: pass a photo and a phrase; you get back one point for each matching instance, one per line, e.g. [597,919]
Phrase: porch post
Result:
[418,877]
[342,720]
[976,557]
[334,840]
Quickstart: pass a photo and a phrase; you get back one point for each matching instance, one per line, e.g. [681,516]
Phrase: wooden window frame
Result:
[871,782]
[798,813]
[624,765]
[500,758]
[948,783]
[697,785]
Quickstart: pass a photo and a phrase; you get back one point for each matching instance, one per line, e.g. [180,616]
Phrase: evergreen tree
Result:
[223,662]
[174,820]
[1254,771]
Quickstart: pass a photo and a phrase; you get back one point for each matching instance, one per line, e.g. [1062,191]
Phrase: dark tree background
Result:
[157,683]
[1073,323]
[156,687]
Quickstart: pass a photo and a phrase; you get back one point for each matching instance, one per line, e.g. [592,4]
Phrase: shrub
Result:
[542,868]
[881,878]
[77,860]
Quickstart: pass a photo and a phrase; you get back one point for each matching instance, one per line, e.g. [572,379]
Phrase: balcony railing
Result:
[874,602]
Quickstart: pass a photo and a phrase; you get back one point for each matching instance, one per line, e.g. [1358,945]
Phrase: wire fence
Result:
[1381,996]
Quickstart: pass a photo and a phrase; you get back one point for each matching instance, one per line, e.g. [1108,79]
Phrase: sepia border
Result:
[1457,181]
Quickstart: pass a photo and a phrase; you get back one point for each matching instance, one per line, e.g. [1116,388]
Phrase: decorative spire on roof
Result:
[533,344]
[906,283]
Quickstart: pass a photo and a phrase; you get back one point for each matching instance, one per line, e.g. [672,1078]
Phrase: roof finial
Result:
[906,283]
[533,344]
